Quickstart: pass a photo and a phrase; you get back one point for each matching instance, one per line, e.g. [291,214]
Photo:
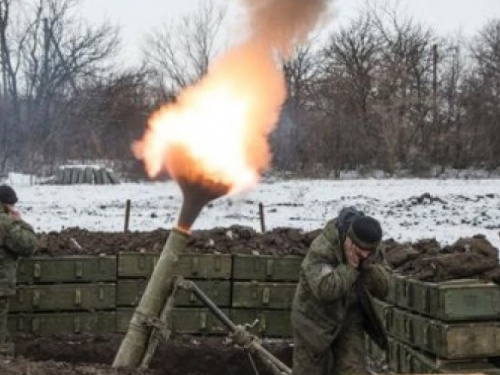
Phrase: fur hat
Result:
[365,232]
[7,195]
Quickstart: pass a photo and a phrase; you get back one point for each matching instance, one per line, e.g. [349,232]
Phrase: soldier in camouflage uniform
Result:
[17,239]
[332,304]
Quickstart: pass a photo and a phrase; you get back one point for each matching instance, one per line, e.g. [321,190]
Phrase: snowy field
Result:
[409,209]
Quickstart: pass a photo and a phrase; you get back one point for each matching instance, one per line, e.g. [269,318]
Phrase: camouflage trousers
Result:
[345,356]
[6,347]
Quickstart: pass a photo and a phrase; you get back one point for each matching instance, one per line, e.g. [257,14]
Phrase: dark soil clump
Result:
[424,260]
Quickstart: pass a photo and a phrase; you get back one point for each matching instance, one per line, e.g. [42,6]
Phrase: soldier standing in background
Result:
[332,304]
[17,239]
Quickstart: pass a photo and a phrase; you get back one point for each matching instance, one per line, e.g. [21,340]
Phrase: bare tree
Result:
[350,58]
[10,107]
[8,69]
[379,90]
[45,60]
[408,75]
[452,132]
[180,53]
[301,72]
[481,98]
[119,107]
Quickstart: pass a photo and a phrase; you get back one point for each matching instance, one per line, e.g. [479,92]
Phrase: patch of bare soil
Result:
[92,355]
[22,366]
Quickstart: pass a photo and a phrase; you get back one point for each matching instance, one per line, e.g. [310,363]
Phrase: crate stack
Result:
[211,272]
[74,294]
[263,290]
[451,326]
[98,294]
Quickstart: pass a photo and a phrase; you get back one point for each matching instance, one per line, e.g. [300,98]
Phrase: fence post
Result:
[127,215]
[261,216]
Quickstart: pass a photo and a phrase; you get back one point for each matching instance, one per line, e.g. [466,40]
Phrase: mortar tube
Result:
[153,299]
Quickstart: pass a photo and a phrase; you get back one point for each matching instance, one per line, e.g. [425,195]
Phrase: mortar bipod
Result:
[161,326]
[239,334]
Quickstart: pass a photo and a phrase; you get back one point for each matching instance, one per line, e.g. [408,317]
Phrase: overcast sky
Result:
[136,18]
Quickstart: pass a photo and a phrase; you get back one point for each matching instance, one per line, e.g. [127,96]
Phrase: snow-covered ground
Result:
[409,209]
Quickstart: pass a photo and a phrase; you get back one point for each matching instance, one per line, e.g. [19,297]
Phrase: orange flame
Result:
[218,128]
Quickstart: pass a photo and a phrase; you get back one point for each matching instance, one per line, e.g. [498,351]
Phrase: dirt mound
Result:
[235,239]
[424,260]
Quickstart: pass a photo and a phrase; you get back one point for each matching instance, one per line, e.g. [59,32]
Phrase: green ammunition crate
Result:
[417,362]
[58,323]
[64,297]
[200,321]
[254,294]
[391,293]
[197,321]
[463,299]
[384,313]
[129,292]
[139,265]
[265,267]
[66,269]
[456,340]
[393,355]
[202,266]
[402,294]
[267,323]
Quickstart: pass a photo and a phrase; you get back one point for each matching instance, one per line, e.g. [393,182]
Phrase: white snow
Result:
[457,208]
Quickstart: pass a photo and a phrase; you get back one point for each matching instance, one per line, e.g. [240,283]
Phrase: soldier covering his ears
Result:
[332,304]
[17,239]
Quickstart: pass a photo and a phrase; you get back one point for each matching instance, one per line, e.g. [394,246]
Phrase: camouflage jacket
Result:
[17,239]
[326,296]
